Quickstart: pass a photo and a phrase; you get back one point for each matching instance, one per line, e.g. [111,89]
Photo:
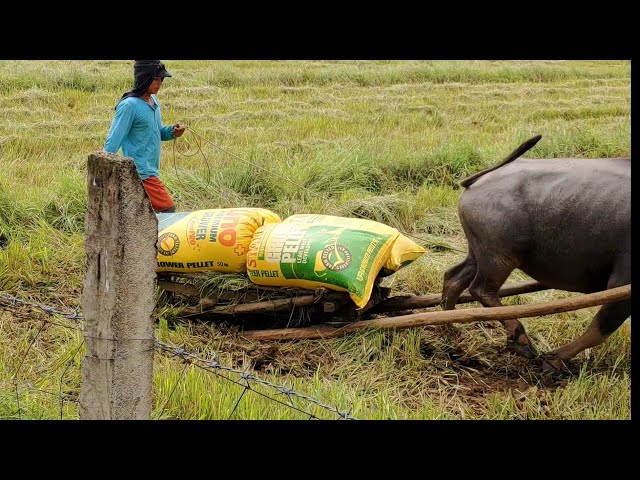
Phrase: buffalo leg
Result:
[456,279]
[485,290]
[606,321]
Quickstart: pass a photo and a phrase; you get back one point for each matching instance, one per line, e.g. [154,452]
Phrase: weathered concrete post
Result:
[121,231]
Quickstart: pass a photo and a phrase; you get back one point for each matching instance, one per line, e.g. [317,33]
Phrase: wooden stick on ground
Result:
[449,316]
[394,304]
[388,305]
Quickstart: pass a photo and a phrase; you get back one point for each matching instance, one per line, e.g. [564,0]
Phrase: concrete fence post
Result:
[121,231]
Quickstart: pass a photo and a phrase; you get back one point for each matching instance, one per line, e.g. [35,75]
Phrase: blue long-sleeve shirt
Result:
[137,128]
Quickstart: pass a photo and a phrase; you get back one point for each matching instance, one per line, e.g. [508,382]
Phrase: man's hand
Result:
[178,130]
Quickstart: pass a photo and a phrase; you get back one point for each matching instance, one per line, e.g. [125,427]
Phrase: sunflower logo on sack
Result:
[336,257]
[168,244]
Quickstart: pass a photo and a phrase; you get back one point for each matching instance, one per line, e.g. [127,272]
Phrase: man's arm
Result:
[171,131]
[166,133]
[122,121]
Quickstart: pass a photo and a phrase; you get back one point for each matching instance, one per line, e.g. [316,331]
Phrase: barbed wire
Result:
[10,300]
[28,387]
[244,379]
[214,366]
[67,396]
[13,302]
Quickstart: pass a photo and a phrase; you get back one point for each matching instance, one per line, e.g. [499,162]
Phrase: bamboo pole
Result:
[181,288]
[467,315]
[267,306]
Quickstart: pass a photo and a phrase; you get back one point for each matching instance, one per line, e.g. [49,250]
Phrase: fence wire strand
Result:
[244,378]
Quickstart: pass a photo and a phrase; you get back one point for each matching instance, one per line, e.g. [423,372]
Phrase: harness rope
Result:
[199,139]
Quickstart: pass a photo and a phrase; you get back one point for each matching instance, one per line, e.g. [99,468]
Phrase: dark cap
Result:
[150,69]
[144,72]
[162,71]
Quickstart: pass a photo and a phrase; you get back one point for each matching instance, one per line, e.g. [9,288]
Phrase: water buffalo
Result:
[566,222]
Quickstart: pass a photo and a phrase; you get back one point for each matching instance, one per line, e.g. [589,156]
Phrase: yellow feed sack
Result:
[208,240]
[344,254]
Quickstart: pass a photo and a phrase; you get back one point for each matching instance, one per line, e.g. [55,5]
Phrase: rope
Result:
[199,139]
[199,150]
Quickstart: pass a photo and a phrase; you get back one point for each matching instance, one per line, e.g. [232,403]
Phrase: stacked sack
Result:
[215,240]
[343,254]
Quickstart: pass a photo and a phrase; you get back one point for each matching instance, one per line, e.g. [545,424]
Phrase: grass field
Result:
[385,140]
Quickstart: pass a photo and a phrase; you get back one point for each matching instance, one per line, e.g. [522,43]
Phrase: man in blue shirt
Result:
[137,129]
